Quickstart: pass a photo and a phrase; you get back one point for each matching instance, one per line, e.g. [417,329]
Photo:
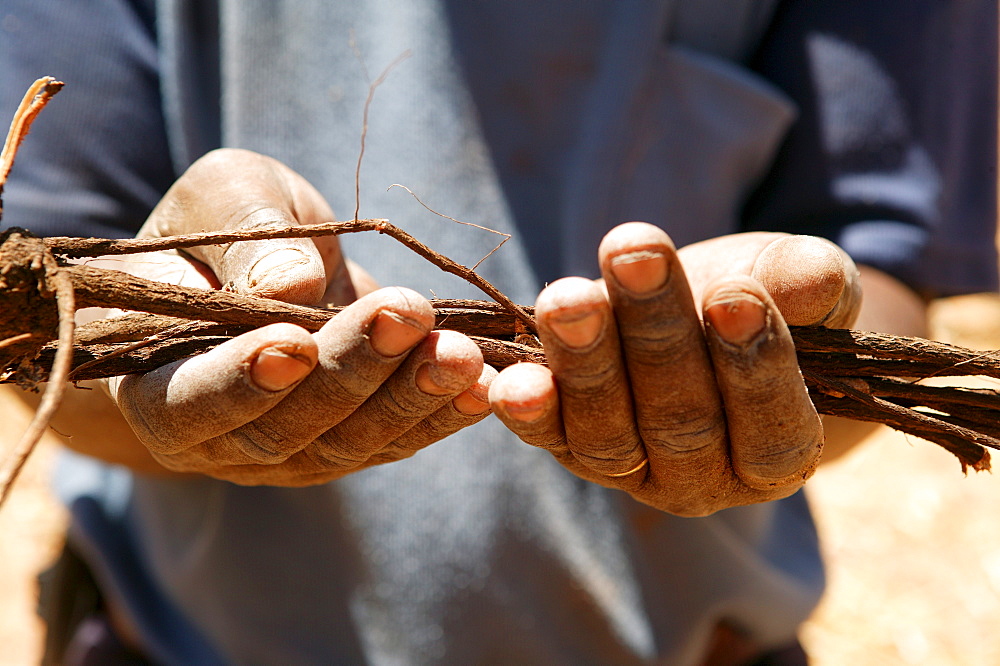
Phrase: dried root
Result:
[858,375]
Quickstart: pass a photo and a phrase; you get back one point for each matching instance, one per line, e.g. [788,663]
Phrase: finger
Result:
[678,407]
[577,329]
[467,408]
[710,259]
[525,399]
[304,469]
[241,190]
[812,281]
[441,367]
[359,349]
[775,435]
[168,267]
[181,404]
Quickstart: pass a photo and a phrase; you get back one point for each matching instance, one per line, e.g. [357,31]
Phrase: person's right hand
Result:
[278,405]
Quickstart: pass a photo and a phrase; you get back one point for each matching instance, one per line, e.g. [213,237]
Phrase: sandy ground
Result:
[31,523]
[912,545]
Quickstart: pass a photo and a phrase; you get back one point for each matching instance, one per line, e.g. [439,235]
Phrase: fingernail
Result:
[434,380]
[272,265]
[577,329]
[275,370]
[472,401]
[640,272]
[527,411]
[391,334]
[737,319]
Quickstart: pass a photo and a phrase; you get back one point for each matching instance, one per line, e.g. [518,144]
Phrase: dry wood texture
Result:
[858,375]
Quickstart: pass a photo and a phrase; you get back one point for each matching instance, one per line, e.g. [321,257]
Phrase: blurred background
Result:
[912,545]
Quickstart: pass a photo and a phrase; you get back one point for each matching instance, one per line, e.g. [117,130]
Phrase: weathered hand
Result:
[686,416]
[279,405]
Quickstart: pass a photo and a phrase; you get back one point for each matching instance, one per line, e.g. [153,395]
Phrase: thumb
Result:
[286,269]
[232,189]
[812,281]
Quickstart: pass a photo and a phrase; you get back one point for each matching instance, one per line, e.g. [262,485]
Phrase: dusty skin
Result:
[913,550]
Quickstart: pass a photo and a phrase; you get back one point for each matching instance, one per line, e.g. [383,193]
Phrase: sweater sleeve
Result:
[894,153]
[96,161]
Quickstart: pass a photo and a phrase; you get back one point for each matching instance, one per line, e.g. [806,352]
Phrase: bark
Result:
[853,374]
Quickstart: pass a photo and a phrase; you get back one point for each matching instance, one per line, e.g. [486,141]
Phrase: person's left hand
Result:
[641,395]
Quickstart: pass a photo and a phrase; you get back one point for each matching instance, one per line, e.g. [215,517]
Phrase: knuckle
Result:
[263,443]
[780,463]
[403,400]
[157,440]
[593,380]
[344,387]
[223,158]
[684,431]
[330,451]
[394,454]
[608,460]
[693,504]
[436,427]
[659,341]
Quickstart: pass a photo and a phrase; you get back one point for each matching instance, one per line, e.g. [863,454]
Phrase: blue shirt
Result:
[553,121]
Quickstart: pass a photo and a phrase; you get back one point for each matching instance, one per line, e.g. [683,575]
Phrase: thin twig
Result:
[14,339]
[506,237]
[364,123]
[95,247]
[922,423]
[34,100]
[945,398]
[145,342]
[92,247]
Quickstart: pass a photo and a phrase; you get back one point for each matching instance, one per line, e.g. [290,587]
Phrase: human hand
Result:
[641,395]
[278,405]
